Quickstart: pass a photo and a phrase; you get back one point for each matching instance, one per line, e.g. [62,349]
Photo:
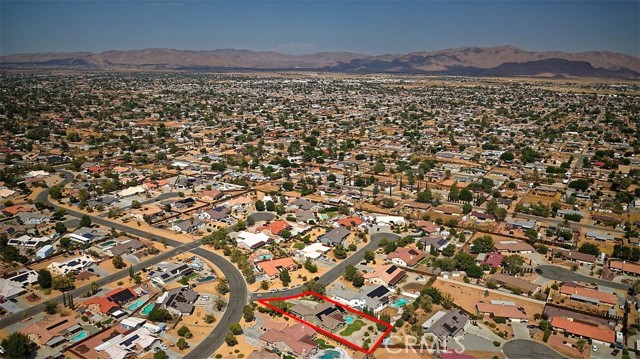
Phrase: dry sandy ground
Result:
[467,298]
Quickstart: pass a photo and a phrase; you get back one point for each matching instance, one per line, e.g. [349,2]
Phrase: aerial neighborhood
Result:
[166,215]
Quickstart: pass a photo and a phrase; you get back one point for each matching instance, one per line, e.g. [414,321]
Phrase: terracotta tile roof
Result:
[388,273]
[608,298]
[350,221]
[499,310]
[275,227]
[411,256]
[626,266]
[271,267]
[584,329]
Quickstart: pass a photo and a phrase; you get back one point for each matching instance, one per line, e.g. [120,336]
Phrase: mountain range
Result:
[465,61]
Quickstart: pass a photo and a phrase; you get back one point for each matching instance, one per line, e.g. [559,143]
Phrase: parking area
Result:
[603,351]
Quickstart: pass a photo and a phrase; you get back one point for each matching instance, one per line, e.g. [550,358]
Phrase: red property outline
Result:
[266,303]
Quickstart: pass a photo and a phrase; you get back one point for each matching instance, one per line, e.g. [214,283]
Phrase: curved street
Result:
[562,274]
[238,290]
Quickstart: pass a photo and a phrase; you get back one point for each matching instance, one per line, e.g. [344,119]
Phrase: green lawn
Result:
[323,344]
[352,328]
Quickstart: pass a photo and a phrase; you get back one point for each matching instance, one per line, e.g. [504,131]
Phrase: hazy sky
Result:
[371,27]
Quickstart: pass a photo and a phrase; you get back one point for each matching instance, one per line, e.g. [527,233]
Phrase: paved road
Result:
[238,288]
[334,273]
[528,349]
[562,274]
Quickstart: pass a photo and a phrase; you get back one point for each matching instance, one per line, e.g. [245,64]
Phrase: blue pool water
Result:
[135,305]
[206,279]
[265,256]
[349,319]
[330,354]
[400,302]
[148,309]
[79,336]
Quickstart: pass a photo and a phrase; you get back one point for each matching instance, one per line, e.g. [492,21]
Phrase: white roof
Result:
[131,191]
[314,250]
[251,239]
[9,288]
[503,302]
[429,322]
[389,219]
[132,321]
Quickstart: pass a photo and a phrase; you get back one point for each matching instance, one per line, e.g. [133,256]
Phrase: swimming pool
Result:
[330,354]
[400,302]
[146,310]
[108,244]
[265,256]
[349,319]
[135,305]
[206,279]
[79,336]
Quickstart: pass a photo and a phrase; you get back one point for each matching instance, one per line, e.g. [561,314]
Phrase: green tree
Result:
[369,255]
[85,221]
[158,314]
[285,277]
[513,264]
[589,248]
[230,339]
[483,244]
[44,278]
[315,286]
[260,206]
[466,195]
[466,208]
[357,280]
[349,272]
[62,283]
[235,328]
[51,308]
[60,228]
[183,331]
[507,156]
[378,168]
[308,265]
[160,354]
[118,262]
[55,192]
[248,314]
[16,346]
[449,250]
[182,344]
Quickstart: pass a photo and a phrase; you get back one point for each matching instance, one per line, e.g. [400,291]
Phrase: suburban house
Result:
[427,227]
[314,250]
[482,217]
[215,214]
[575,256]
[385,274]
[494,260]
[350,222]
[446,324]
[584,330]
[370,297]
[504,309]
[297,340]
[325,315]
[187,225]
[32,218]
[334,236]
[438,243]
[406,257]
[167,272]
[275,227]
[515,283]
[111,301]
[124,247]
[248,240]
[71,265]
[628,268]
[53,332]
[210,195]
[273,267]
[582,294]
[87,235]
[180,300]
[305,205]
[513,246]
[128,345]
[599,236]
[522,224]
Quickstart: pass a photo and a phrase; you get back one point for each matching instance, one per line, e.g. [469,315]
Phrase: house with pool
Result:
[111,302]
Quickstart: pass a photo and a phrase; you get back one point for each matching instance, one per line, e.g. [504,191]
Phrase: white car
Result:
[595,348]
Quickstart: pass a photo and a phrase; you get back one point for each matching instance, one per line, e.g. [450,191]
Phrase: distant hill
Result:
[470,61]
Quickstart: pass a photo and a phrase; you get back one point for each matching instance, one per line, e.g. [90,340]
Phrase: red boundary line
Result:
[266,303]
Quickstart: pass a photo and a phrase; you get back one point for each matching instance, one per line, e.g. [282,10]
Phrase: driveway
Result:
[528,349]
[472,342]
[520,330]
[562,274]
